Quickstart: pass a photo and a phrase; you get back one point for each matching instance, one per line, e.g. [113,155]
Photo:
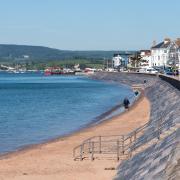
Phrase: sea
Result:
[35,108]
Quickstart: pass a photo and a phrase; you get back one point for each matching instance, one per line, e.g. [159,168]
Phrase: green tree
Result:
[135,60]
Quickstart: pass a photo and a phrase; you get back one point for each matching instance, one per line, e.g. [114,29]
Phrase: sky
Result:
[89,24]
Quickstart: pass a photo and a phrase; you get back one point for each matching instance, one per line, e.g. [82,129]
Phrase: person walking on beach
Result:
[126,103]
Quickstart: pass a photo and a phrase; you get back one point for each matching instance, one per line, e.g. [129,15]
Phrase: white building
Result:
[145,58]
[117,60]
[165,53]
[178,52]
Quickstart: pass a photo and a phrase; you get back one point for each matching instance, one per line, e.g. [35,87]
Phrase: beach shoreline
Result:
[106,116]
[116,110]
[46,155]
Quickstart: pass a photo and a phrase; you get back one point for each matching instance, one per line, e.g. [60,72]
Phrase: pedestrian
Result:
[126,103]
[136,93]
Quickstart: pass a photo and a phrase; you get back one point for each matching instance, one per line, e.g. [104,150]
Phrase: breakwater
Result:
[161,160]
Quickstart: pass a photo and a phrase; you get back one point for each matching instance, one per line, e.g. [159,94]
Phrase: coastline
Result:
[105,116]
[46,161]
[114,112]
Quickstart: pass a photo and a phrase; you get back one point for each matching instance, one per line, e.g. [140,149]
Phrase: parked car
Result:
[159,69]
[168,72]
[148,70]
[151,70]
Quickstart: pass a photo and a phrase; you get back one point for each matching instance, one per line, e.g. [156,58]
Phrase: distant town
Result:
[163,57]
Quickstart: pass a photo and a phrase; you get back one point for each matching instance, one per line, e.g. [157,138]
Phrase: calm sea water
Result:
[35,108]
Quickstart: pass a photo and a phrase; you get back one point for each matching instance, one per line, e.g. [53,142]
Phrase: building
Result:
[117,61]
[166,53]
[145,58]
[159,53]
[178,51]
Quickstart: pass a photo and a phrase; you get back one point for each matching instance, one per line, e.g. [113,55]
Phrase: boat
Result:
[58,71]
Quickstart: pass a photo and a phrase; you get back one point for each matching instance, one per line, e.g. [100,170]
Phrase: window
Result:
[163,57]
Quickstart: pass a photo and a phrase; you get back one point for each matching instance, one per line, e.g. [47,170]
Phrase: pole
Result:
[117,150]
[81,152]
[130,153]
[92,153]
[134,136]
[89,146]
[159,129]
[74,154]
[100,144]
[123,144]
[130,140]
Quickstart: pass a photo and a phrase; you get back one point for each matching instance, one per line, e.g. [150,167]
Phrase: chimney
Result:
[167,40]
[178,42]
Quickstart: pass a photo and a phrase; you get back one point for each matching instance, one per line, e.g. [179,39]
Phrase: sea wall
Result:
[161,160]
[126,78]
[174,82]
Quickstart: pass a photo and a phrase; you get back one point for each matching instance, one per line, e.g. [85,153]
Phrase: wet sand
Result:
[54,161]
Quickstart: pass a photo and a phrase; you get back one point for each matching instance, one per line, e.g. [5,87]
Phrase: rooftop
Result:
[166,43]
[161,45]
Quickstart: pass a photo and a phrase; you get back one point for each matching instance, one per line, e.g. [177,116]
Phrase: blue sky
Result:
[89,24]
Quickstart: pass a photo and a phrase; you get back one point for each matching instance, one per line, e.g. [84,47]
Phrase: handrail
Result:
[157,131]
[123,138]
[125,143]
[139,129]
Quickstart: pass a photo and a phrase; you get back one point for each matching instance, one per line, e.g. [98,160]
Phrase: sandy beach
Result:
[54,161]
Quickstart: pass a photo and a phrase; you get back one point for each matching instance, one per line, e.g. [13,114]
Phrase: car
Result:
[148,70]
[168,72]
[151,70]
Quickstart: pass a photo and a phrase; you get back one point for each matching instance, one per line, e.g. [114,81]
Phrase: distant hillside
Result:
[10,53]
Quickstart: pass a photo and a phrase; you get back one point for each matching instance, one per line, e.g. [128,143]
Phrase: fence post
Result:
[134,136]
[117,150]
[81,152]
[92,152]
[122,144]
[130,140]
[158,133]
[100,144]
[130,153]
[89,146]
[159,129]
[74,155]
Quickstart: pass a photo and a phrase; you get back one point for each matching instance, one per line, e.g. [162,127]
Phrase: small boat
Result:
[58,71]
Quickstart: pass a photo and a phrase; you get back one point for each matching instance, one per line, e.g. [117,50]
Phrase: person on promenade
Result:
[136,93]
[126,103]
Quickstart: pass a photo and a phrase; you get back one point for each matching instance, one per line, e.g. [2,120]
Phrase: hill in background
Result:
[14,53]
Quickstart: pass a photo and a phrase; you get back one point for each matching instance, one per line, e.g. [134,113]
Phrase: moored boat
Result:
[58,71]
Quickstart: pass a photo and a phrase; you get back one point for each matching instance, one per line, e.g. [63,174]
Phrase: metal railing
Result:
[118,145]
[121,145]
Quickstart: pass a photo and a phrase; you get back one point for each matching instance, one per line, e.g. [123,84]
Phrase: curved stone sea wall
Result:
[174,81]
[161,160]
